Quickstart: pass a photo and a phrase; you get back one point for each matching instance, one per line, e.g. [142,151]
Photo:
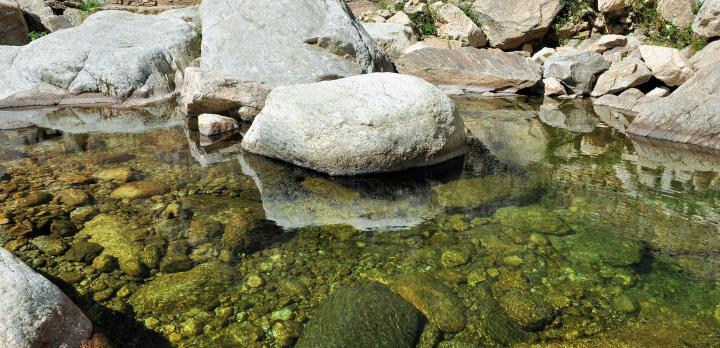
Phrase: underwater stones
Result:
[526,310]
[35,312]
[115,234]
[83,251]
[82,214]
[176,258]
[118,174]
[105,263]
[477,192]
[594,244]
[140,189]
[624,304]
[358,125]
[204,230]
[532,218]
[73,197]
[368,315]
[101,158]
[50,246]
[34,198]
[211,124]
[199,287]
[435,300]
[455,256]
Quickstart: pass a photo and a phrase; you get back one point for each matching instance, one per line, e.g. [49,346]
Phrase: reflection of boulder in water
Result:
[507,127]
[215,149]
[101,120]
[574,115]
[677,156]
[294,197]
[614,118]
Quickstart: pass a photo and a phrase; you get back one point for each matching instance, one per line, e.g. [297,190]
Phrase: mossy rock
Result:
[532,218]
[482,191]
[115,235]
[595,244]
[434,299]
[140,189]
[364,316]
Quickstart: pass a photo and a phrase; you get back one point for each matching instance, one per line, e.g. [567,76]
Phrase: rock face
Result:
[368,315]
[629,72]
[576,70]
[707,57]
[473,70]
[453,24]
[298,42]
[707,21]
[509,24]
[40,16]
[679,12]
[393,38]
[35,312]
[210,124]
[209,92]
[13,29]
[112,57]
[611,5]
[688,115]
[363,124]
[667,64]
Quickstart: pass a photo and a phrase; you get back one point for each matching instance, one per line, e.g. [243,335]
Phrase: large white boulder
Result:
[511,23]
[707,21]
[13,28]
[113,57]
[285,42]
[453,24]
[472,69]
[363,124]
[667,64]
[35,313]
[393,38]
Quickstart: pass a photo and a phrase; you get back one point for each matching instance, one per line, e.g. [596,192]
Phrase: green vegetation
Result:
[664,33]
[388,4]
[34,35]
[572,10]
[88,7]
[424,23]
[470,12]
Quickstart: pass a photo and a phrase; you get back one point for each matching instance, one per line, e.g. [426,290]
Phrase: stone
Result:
[606,6]
[391,37]
[118,174]
[607,42]
[627,73]
[509,24]
[400,18]
[83,251]
[176,258]
[688,115]
[658,92]
[627,100]
[532,218]
[526,310]
[707,57]
[667,64]
[543,54]
[40,17]
[367,315]
[678,12]
[299,42]
[113,57]
[471,69]
[576,70]
[363,124]
[48,245]
[13,28]
[35,312]
[434,299]
[553,87]
[105,263]
[707,20]
[211,92]
[73,197]
[453,24]
[211,124]
[115,235]
[140,189]
[34,198]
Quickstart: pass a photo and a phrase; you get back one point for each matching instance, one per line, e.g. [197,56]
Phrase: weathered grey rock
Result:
[627,100]
[297,42]
[400,18]
[369,315]
[678,12]
[211,92]
[553,87]
[629,72]
[210,124]
[576,70]
[543,54]
[40,16]
[707,21]
[611,5]
[707,57]
[452,23]
[509,24]
[363,124]
[603,43]
[35,312]
[689,115]
[667,64]
[473,70]
[190,14]
[13,28]
[113,57]
[393,38]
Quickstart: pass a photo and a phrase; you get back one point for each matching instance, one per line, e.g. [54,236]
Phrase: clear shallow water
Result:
[555,230]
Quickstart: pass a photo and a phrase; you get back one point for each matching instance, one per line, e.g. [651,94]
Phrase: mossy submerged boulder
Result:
[434,299]
[369,315]
[115,235]
[532,218]
[140,189]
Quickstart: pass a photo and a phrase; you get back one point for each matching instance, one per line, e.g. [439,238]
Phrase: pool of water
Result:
[556,229]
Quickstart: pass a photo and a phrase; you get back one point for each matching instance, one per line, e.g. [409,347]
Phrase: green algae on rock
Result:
[434,299]
[532,218]
[140,189]
[481,191]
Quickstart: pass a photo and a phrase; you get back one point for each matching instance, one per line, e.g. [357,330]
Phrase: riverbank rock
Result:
[363,124]
[434,299]
[40,17]
[707,21]
[209,124]
[627,73]
[471,69]
[393,38]
[576,70]
[112,57]
[35,312]
[453,24]
[298,42]
[368,315]
[688,115]
[210,92]
[667,64]
[678,12]
[13,28]
[509,24]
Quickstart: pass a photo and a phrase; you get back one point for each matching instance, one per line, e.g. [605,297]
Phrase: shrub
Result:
[424,23]
[572,10]
[88,7]
[34,35]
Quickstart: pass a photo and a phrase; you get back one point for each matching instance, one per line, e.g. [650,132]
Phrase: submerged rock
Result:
[471,69]
[369,315]
[525,310]
[115,235]
[139,189]
[35,312]
[482,191]
[434,299]
[363,124]
[298,42]
[533,218]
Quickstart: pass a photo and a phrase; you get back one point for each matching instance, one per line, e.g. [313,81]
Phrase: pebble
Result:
[284,314]
[255,281]
[139,189]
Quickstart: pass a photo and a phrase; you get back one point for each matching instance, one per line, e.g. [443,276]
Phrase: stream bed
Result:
[555,230]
